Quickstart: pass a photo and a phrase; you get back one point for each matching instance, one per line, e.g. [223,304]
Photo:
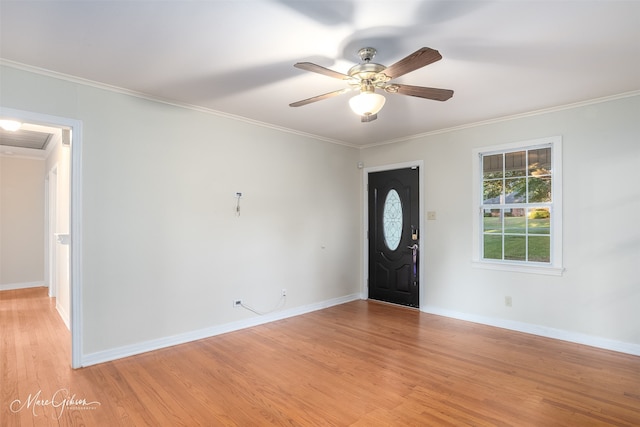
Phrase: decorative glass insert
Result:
[392,220]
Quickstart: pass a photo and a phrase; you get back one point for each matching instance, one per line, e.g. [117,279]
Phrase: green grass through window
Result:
[515,239]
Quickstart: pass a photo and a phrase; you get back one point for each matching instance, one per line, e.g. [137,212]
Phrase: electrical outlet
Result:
[284,292]
[507,301]
[237,303]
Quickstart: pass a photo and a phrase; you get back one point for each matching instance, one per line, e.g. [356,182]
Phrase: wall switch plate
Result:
[431,215]
[507,301]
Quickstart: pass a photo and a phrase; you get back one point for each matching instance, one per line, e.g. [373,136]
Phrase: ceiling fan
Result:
[369,76]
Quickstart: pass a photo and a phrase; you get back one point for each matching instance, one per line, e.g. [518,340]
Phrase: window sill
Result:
[518,268]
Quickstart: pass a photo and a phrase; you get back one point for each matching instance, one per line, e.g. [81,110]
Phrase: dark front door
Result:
[393,236]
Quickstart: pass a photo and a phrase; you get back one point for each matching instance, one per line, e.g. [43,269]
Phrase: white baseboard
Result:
[22,285]
[529,328]
[143,347]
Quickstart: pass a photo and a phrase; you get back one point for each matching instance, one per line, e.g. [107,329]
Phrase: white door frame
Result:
[75,226]
[51,209]
[365,221]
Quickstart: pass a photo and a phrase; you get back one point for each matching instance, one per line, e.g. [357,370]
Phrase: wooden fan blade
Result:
[425,92]
[308,66]
[319,97]
[417,59]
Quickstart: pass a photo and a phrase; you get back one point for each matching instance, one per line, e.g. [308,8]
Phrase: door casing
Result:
[421,224]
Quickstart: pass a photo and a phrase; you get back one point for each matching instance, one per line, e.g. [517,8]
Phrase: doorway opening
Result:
[62,241]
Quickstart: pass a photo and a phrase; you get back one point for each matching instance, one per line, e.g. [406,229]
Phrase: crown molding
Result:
[104,86]
[142,95]
[510,117]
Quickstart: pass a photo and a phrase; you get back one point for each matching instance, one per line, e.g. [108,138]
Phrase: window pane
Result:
[492,222]
[540,162]
[515,164]
[492,246]
[515,190]
[515,248]
[492,192]
[492,166]
[515,221]
[392,220]
[540,189]
[540,248]
[539,221]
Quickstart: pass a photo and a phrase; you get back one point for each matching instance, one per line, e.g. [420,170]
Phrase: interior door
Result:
[394,236]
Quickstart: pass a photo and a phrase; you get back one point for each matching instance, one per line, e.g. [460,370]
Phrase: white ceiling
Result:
[236,57]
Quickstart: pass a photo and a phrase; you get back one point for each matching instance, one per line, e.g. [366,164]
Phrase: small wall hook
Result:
[238,197]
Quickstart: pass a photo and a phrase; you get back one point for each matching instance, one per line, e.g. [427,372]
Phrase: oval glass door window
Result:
[392,220]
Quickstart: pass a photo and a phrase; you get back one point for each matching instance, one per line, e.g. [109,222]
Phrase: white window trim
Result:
[555,267]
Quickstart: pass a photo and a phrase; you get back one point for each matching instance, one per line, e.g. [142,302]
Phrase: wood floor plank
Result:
[357,364]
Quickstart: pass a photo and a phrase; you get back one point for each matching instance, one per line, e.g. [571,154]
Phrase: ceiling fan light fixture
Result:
[367,103]
[10,125]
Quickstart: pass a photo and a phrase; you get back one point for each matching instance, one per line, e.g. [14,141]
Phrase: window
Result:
[517,206]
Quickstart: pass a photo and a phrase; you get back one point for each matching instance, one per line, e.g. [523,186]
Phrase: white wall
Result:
[163,252]
[599,293]
[21,222]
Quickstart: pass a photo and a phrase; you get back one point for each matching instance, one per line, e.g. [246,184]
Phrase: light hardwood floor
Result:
[361,363]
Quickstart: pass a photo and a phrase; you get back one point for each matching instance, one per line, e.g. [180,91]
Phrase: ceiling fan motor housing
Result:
[366,71]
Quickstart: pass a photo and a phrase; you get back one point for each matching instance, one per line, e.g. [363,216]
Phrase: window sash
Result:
[541,161]
[505,171]
[500,228]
